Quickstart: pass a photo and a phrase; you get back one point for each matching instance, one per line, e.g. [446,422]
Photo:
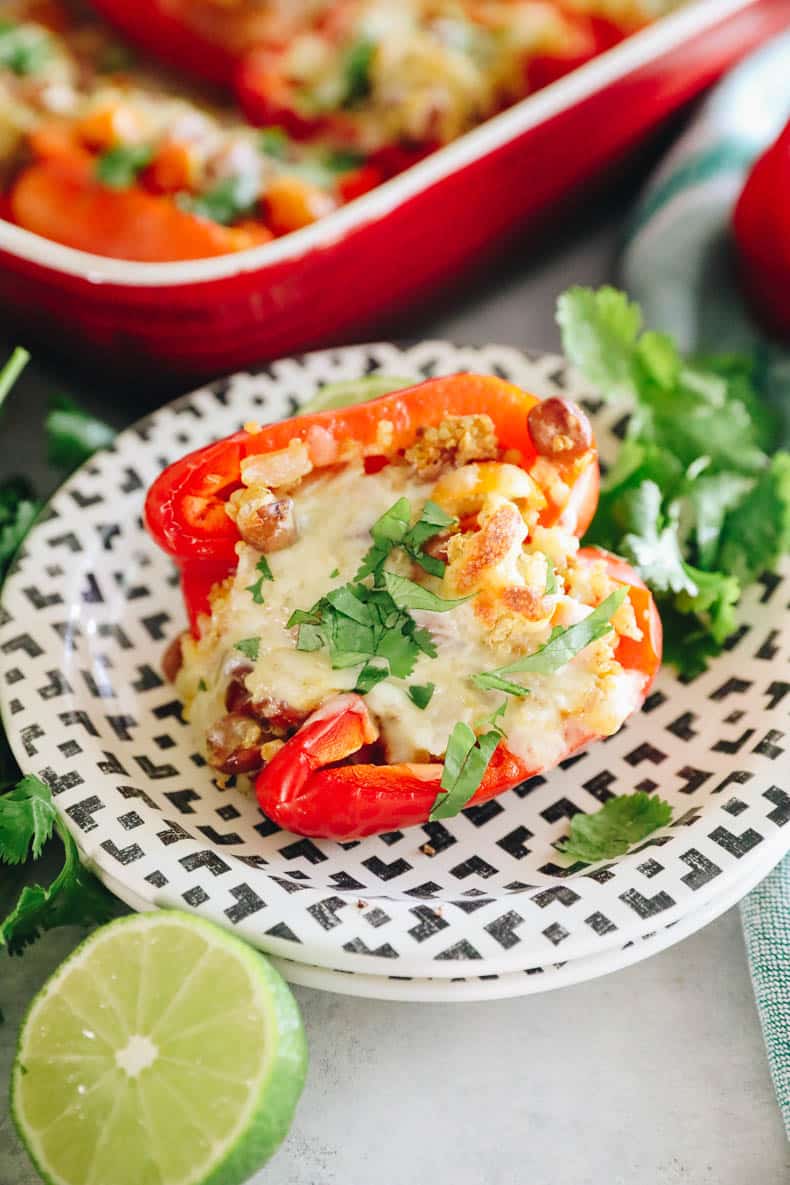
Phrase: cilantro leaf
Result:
[27,820]
[356,71]
[599,335]
[73,435]
[265,573]
[757,531]
[407,594]
[465,763]
[229,200]
[119,167]
[250,647]
[617,826]
[693,500]
[653,547]
[274,141]
[421,694]
[18,510]
[563,645]
[388,531]
[24,48]
[27,817]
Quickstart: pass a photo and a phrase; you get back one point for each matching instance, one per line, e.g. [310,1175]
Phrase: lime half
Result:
[164,1051]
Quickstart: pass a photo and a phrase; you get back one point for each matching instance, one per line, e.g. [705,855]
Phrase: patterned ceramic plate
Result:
[91,605]
[529,982]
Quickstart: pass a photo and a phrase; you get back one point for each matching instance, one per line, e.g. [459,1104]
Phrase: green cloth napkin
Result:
[678,263]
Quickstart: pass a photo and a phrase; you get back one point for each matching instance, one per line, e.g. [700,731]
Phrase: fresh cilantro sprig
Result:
[563,645]
[693,500]
[73,435]
[620,823]
[28,820]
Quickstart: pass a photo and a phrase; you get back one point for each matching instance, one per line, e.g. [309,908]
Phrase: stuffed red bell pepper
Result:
[372,74]
[391,615]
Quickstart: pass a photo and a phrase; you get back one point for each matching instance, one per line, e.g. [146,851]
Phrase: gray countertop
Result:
[655,1075]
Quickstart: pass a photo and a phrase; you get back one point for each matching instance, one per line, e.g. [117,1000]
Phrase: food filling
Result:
[433,580]
[101,152]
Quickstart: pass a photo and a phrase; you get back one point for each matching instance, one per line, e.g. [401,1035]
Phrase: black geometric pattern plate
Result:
[84,619]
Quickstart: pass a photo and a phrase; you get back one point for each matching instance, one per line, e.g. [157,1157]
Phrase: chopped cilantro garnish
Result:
[407,594]
[229,200]
[551,578]
[392,530]
[465,762]
[335,572]
[563,645]
[421,694]
[366,625]
[356,71]
[274,142]
[343,160]
[249,647]
[24,49]
[120,167]
[265,573]
[619,824]
[693,499]
[202,685]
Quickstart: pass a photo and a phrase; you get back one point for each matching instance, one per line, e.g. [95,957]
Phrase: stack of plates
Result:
[476,907]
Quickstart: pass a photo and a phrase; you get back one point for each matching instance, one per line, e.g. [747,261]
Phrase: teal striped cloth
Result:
[678,263]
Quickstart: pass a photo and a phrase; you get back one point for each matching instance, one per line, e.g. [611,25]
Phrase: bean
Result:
[559,428]
[270,526]
[173,659]
[234,744]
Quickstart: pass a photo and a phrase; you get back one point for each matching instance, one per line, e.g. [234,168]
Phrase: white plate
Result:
[91,605]
[528,982]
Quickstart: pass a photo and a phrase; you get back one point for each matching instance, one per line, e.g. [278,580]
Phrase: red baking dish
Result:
[370,260]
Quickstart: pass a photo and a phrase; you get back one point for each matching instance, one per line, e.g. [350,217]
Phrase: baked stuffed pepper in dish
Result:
[391,614]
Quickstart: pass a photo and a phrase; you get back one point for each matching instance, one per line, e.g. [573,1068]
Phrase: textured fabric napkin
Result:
[678,263]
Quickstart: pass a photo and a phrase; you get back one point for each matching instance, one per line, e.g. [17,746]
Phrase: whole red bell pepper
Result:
[761,224]
[305,790]
[185,508]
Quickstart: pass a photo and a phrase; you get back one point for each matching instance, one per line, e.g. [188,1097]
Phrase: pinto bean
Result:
[270,526]
[559,428]
[173,659]
[234,744]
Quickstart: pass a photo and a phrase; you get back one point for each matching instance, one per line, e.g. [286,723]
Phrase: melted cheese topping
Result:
[510,614]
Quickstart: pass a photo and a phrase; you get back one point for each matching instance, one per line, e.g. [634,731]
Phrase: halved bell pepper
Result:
[59,196]
[305,788]
[185,507]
